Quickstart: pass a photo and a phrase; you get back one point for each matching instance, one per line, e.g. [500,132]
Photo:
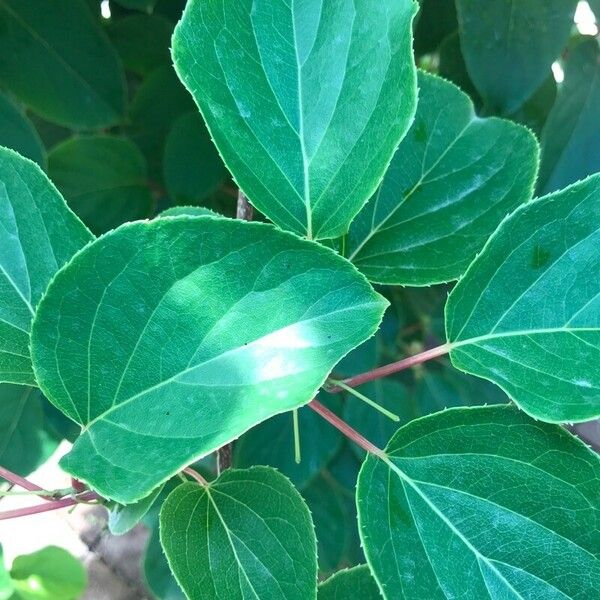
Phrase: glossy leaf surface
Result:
[351,583]
[451,182]
[306,102]
[248,534]
[103,179]
[39,234]
[484,497]
[177,361]
[526,315]
[509,45]
[75,80]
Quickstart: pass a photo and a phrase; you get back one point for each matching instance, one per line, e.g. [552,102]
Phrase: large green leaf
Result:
[509,45]
[73,79]
[103,178]
[526,315]
[192,167]
[452,181]
[18,133]
[272,443]
[352,583]
[571,137]
[485,500]
[306,102]
[39,234]
[155,339]
[48,574]
[24,442]
[247,535]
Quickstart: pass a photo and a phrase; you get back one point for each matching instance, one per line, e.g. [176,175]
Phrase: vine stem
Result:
[50,505]
[348,431]
[395,367]
[195,475]
[20,481]
[245,212]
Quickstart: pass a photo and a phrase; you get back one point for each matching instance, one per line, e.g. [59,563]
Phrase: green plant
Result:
[175,348]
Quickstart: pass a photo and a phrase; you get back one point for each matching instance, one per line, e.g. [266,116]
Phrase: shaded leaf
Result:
[178,361]
[526,315]
[40,234]
[485,496]
[451,182]
[352,583]
[103,178]
[124,517]
[305,102]
[251,533]
[18,133]
[157,573]
[75,80]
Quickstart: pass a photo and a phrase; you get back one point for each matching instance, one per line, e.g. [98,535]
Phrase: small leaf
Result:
[75,80]
[154,338]
[509,45]
[18,133]
[142,41]
[485,498]
[124,517]
[24,442]
[248,534]
[526,315]
[48,574]
[306,102]
[191,211]
[40,234]
[352,583]
[272,443]
[452,181]
[570,148]
[157,574]
[103,178]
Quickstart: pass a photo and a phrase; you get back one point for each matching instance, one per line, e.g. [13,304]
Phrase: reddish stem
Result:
[52,505]
[348,431]
[195,475]
[394,367]
[20,481]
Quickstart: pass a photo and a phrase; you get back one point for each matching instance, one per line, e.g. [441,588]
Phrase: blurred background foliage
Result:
[88,91]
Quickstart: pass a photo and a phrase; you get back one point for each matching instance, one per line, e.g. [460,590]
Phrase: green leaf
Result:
[75,80]
[453,68]
[191,211]
[7,587]
[436,20]
[352,583]
[24,442]
[143,5]
[316,94]
[192,167]
[272,443]
[18,133]
[510,45]
[535,111]
[526,315]
[485,498]
[570,148]
[48,574]
[452,181]
[248,534]
[157,574]
[103,178]
[142,42]
[124,517]
[40,234]
[166,322]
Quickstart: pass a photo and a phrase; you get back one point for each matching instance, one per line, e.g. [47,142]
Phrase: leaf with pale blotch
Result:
[167,339]
[451,182]
[350,583]
[306,102]
[39,235]
[526,315]
[484,497]
[246,535]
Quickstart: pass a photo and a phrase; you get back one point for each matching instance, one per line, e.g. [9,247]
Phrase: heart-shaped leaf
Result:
[350,583]
[526,315]
[486,498]
[509,45]
[73,79]
[167,339]
[247,535]
[450,184]
[39,235]
[306,102]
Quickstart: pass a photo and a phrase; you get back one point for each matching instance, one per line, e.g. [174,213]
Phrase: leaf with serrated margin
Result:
[350,583]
